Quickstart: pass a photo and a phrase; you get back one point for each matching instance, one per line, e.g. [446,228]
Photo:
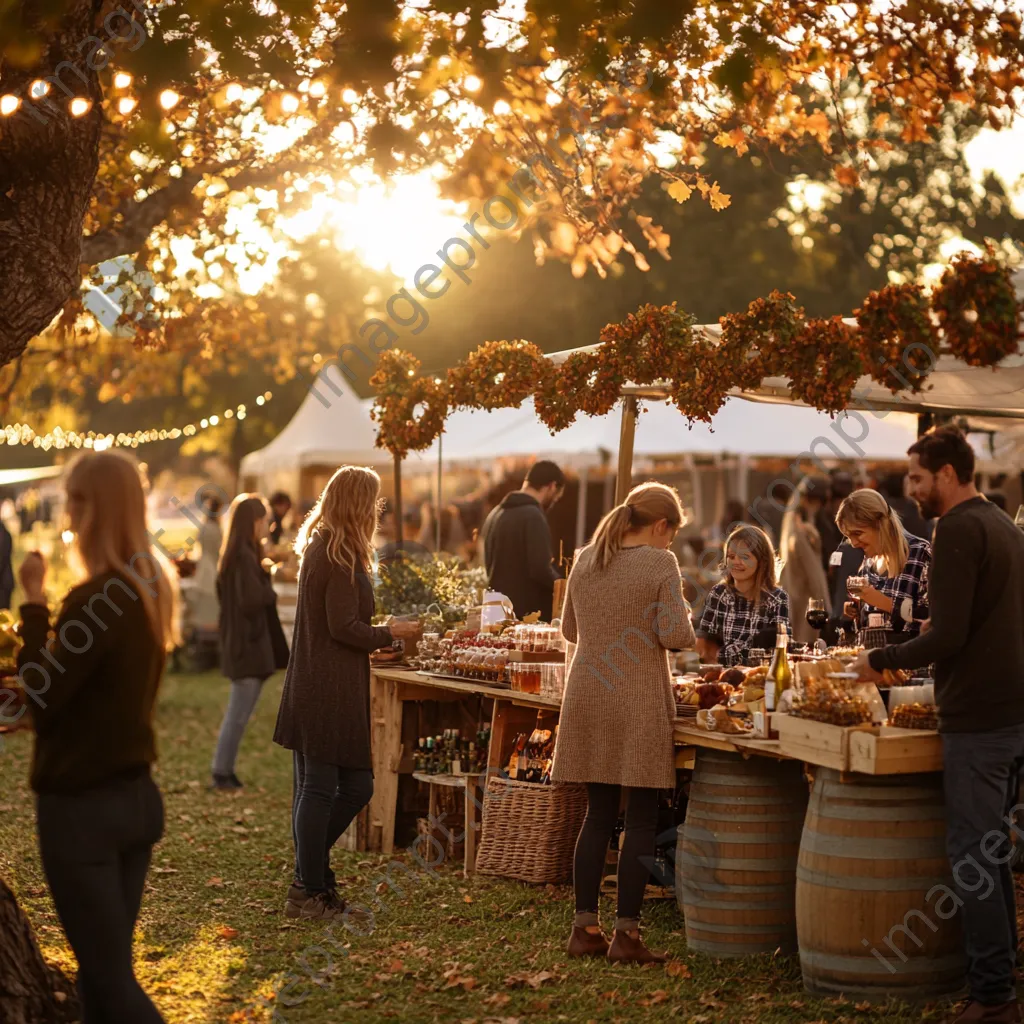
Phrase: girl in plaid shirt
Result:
[747,607]
[895,563]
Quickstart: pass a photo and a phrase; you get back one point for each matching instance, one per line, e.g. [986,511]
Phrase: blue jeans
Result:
[95,847]
[980,776]
[241,703]
[325,800]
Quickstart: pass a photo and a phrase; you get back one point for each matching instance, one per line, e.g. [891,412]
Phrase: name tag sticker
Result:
[836,558]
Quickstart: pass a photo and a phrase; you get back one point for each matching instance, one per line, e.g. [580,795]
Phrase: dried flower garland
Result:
[898,341]
[411,409]
[499,374]
[977,310]
[975,306]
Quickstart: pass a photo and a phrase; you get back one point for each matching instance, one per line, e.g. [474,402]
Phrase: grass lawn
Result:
[213,943]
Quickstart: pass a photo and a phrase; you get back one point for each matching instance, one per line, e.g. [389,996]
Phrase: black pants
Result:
[95,847]
[635,858]
[325,800]
[978,776]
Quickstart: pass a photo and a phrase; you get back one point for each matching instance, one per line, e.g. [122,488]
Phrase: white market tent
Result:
[331,427]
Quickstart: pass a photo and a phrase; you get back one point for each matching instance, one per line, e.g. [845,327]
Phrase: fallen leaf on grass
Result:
[467,899]
[533,980]
[458,981]
[759,997]
[677,969]
[659,996]
[396,967]
[226,932]
[498,999]
[708,999]
[215,883]
[864,1007]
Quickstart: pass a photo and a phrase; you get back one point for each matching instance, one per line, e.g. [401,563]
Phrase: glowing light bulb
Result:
[349,95]
[317,89]
[80,106]
[501,108]
[289,103]
[169,98]
[9,104]
[234,92]
[122,80]
[126,104]
[38,89]
[472,83]
[67,536]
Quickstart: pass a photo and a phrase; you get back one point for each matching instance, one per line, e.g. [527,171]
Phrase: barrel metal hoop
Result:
[856,848]
[847,812]
[737,864]
[870,964]
[909,883]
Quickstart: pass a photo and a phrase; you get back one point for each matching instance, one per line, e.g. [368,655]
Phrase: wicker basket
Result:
[530,830]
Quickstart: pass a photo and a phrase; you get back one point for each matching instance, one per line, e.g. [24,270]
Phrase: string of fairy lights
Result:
[59,438]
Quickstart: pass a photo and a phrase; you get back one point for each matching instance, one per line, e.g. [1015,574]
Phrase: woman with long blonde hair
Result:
[625,610]
[895,563]
[746,608]
[324,717]
[91,686]
[252,643]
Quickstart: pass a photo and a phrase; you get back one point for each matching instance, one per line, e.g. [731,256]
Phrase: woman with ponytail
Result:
[624,609]
[895,563]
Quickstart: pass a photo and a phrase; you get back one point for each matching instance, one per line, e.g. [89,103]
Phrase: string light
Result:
[122,80]
[126,104]
[168,99]
[80,106]
[59,438]
[9,104]
[289,103]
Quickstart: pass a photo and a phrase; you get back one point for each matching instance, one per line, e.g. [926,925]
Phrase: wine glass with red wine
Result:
[817,617]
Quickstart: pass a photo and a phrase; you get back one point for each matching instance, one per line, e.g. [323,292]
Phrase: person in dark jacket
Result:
[248,614]
[280,506]
[517,542]
[6,573]
[976,643]
[324,718]
[91,685]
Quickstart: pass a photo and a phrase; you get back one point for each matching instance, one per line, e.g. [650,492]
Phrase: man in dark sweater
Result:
[976,642]
[517,542]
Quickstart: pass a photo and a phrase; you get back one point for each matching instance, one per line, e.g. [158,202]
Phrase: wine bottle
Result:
[780,675]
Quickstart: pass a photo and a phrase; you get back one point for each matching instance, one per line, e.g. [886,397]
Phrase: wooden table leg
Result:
[386,724]
[472,825]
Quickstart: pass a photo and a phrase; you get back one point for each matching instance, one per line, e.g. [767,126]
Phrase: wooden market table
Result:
[390,689]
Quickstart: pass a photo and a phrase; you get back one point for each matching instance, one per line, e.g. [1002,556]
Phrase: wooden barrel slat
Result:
[736,854]
[872,851]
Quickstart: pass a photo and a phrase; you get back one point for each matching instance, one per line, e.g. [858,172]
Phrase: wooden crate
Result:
[891,751]
[816,742]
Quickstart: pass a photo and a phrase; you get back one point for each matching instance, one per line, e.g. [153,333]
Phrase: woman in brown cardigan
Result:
[624,609]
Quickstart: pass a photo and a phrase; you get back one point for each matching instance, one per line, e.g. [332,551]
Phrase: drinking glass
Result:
[817,617]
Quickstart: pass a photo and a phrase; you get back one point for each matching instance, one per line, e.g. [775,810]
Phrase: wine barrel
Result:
[736,854]
[876,917]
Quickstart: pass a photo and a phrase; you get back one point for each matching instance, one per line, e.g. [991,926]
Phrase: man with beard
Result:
[976,643]
[517,542]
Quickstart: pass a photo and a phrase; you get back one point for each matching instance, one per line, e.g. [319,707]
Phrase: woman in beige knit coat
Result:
[624,609]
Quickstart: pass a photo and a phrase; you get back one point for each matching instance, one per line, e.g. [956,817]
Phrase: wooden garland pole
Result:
[627,433]
[399,518]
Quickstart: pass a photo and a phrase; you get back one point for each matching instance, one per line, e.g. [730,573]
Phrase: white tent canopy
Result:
[331,427]
[740,428]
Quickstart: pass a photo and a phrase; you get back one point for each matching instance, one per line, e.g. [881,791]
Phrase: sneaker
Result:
[225,783]
[322,906]
[296,898]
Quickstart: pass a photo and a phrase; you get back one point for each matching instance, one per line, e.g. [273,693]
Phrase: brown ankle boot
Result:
[628,948]
[584,943]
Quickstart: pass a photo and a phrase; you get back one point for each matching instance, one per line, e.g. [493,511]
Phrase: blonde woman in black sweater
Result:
[91,686]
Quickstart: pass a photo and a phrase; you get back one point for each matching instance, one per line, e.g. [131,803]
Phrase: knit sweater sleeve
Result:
[670,614]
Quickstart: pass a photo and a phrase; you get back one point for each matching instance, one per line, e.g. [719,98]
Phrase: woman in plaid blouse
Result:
[895,563]
[744,610]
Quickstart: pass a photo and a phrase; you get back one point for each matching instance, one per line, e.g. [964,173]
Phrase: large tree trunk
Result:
[31,992]
[48,164]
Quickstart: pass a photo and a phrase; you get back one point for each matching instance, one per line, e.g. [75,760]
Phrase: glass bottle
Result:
[780,675]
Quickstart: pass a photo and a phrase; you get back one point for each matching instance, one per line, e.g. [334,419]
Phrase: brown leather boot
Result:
[628,948]
[1006,1013]
[584,943]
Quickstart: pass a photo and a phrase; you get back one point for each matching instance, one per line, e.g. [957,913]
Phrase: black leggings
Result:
[635,858]
[325,800]
[95,847]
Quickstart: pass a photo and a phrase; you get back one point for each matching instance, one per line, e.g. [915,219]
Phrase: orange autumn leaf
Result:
[718,199]
[847,176]
[226,932]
